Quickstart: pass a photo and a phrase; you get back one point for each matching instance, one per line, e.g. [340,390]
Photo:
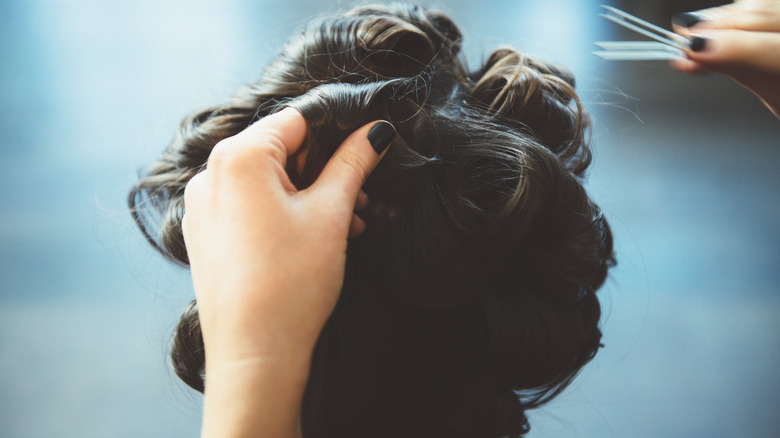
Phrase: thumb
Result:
[353,161]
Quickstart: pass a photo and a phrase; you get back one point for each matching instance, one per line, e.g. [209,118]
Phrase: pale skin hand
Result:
[267,264]
[743,42]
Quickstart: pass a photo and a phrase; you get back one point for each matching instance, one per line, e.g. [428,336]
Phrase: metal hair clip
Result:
[669,46]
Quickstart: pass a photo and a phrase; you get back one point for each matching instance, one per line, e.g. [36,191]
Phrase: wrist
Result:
[251,397]
[246,352]
[288,364]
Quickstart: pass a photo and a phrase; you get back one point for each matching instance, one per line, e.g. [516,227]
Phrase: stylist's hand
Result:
[741,40]
[267,264]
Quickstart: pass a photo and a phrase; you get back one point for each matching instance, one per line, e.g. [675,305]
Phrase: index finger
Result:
[758,16]
[284,130]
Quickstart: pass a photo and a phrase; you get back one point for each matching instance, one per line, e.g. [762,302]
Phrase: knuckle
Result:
[192,188]
[223,153]
[233,159]
[236,153]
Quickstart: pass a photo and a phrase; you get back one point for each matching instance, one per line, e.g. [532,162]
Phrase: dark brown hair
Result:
[471,296]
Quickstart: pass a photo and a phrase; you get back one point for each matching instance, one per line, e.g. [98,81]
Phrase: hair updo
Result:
[471,295]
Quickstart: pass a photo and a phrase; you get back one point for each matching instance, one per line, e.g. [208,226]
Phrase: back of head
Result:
[471,295]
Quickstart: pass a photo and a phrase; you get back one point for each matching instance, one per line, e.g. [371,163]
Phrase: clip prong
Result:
[636,51]
[645,28]
[669,46]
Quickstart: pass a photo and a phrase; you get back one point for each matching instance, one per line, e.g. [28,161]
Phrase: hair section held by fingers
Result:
[471,295]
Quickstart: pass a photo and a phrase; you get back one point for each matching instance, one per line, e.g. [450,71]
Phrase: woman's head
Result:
[470,297]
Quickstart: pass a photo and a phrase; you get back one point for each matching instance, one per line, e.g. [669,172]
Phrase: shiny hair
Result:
[471,295]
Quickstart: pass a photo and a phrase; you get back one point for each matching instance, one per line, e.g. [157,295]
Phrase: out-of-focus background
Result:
[686,168]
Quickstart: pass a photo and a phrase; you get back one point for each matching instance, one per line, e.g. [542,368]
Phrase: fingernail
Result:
[687,19]
[380,136]
[698,43]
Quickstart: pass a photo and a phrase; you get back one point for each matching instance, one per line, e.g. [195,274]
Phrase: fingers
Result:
[356,227]
[276,136]
[725,49]
[285,129]
[753,15]
[688,66]
[746,56]
[362,201]
[354,160]
[711,18]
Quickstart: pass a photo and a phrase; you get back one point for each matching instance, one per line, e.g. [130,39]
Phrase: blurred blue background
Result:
[686,168]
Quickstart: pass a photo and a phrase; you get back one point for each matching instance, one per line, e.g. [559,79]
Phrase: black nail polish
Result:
[698,43]
[381,135]
[687,19]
